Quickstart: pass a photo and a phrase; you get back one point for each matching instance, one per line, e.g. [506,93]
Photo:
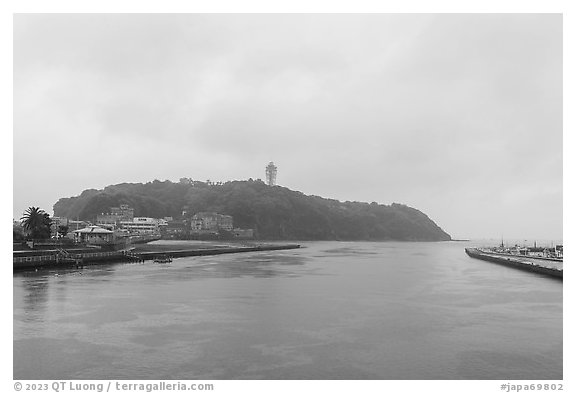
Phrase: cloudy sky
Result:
[457,115]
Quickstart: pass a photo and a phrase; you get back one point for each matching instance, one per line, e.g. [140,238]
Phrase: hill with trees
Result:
[275,213]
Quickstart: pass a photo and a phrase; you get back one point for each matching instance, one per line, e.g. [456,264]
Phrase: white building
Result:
[141,225]
[93,235]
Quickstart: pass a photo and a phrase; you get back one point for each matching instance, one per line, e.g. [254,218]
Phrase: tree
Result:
[37,223]
[17,236]
[62,230]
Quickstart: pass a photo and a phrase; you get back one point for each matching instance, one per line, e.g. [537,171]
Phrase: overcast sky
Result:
[457,115]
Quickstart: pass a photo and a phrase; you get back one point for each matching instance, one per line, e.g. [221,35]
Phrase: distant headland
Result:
[270,212]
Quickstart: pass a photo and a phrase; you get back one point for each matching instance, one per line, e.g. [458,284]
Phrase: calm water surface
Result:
[332,310]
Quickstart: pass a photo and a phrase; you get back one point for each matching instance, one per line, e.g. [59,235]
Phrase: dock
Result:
[64,259]
[547,266]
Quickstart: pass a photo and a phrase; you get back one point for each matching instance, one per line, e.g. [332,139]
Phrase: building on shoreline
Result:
[121,219]
[141,226]
[209,222]
[176,229]
[121,223]
[93,235]
[117,214]
[214,225]
[77,224]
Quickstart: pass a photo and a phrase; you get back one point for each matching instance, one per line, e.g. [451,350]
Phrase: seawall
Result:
[71,260]
[550,268]
[146,255]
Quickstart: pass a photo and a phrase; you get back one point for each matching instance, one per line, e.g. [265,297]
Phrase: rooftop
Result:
[93,229]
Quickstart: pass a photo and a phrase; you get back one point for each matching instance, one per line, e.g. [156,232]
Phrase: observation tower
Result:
[271,171]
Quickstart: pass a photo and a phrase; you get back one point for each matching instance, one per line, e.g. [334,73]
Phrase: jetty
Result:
[549,266]
[61,258]
[147,255]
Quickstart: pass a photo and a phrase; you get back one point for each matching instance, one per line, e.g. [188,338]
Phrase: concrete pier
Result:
[146,255]
[54,260]
[549,267]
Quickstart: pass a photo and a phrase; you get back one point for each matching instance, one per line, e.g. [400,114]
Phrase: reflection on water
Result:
[330,310]
[36,296]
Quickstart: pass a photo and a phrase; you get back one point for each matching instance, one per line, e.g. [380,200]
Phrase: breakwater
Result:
[80,259]
[536,265]
[146,255]
[68,259]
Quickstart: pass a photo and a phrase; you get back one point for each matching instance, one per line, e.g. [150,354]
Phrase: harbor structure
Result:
[271,171]
[81,257]
[543,265]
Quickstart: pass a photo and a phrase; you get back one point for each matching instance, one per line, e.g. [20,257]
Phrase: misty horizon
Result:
[456,115]
[493,237]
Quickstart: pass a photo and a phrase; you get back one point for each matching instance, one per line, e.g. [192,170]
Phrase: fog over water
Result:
[331,310]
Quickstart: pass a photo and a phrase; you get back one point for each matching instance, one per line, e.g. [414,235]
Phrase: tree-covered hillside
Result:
[273,212]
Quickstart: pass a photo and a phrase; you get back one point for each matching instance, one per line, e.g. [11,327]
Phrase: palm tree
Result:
[37,222]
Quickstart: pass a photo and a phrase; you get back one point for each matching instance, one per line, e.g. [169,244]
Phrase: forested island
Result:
[274,212]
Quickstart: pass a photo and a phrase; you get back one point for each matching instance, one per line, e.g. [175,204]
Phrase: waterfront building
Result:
[176,229]
[110,227]
[93,235]
[196,224]
[116,215]
[225,222]
[211,222]
[125,211]
[141,225]
[107,219]
[77,224]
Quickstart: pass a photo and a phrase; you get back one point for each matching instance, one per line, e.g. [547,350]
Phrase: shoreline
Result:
[147,255]
[127,256]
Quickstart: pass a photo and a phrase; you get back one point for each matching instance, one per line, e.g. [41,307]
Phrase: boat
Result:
[163,259]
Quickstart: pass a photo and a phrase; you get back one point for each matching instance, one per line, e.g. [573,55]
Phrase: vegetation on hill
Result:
[273,212]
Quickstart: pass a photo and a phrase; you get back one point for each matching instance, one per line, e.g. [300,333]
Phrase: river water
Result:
[331,310]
